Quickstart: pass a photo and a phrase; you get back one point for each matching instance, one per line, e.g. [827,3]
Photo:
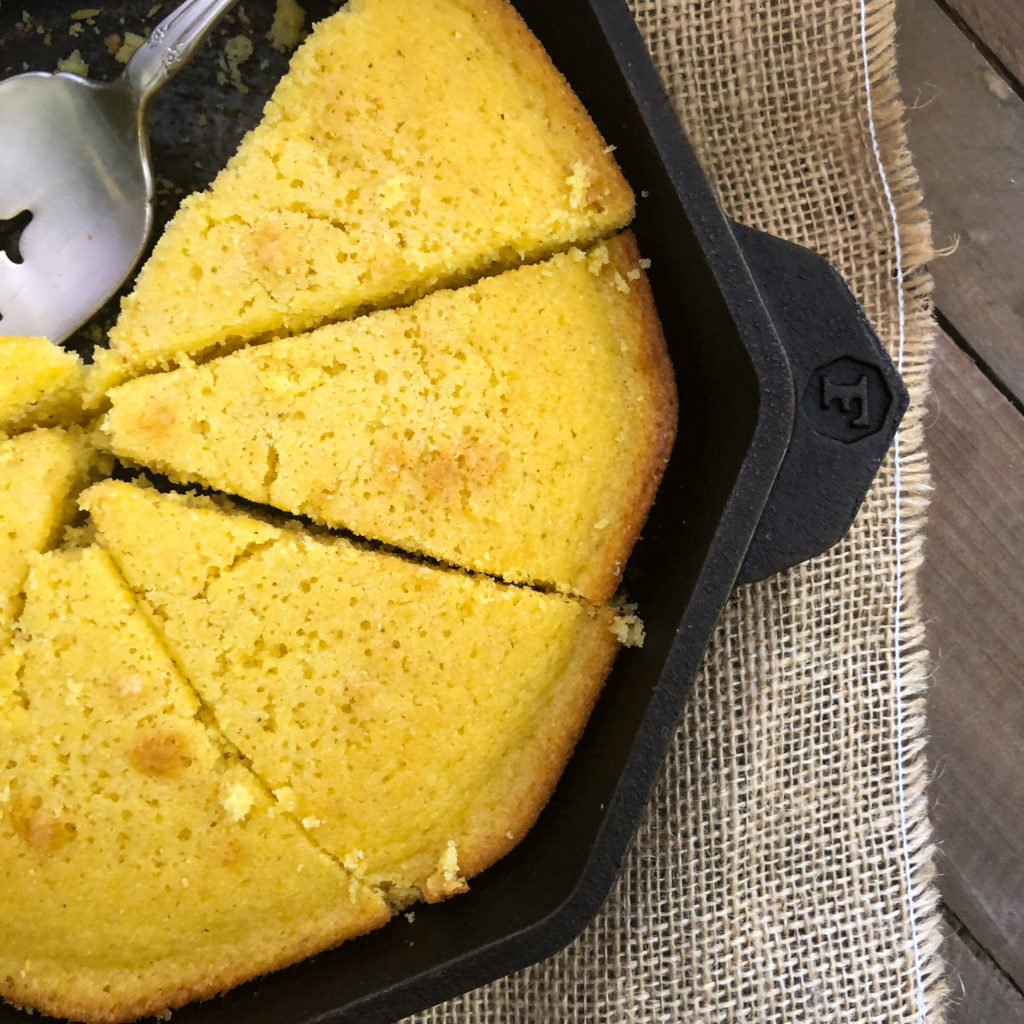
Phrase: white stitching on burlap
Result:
[898,526]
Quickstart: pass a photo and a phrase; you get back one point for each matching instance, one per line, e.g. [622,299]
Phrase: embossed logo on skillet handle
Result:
[850,402]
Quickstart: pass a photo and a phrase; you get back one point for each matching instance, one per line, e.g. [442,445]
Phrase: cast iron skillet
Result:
[787,407]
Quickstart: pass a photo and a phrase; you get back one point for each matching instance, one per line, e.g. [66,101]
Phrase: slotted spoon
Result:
[75,181]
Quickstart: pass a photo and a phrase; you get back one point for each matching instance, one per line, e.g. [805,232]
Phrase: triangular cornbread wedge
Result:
[39,472]
[40,383]
[142,863]
[416,719]
[411,144]
[518,426]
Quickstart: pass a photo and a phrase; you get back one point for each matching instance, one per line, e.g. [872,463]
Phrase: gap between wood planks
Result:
[979,992]
[994,26]
[966,130]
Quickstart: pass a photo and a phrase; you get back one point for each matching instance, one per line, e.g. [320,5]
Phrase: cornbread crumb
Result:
[237,50]
[286,30]
[597,259]
[285,796]
[131,43]
[447,880]
[73,64]
[237,799]
[628,627]
[579,182]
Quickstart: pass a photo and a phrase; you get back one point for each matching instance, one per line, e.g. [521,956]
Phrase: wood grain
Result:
[979,992]
[973,595]
[999,24]
[966,131]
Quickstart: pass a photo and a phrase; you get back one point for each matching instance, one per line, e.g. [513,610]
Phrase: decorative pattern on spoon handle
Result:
[171,44]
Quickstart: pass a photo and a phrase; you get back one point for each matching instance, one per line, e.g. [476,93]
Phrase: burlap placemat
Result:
[782,873]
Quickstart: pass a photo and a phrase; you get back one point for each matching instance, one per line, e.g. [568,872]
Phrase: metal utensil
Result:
[75,182]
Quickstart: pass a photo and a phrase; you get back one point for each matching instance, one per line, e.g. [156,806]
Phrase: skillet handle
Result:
[849,402]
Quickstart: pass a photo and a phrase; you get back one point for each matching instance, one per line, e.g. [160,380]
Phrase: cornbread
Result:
[472,426]
[413,143]
[415,719]
[232,737]
[40,383]
[39,473]
[141,863]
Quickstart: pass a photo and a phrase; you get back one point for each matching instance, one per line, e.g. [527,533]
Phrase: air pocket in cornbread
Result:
[518,426]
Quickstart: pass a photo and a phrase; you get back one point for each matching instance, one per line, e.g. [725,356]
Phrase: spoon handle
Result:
[171,45]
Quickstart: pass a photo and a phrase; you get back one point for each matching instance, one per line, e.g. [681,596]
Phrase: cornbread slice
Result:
[519,426]
[39,472]
[40,383]
[416,719]
[141,863]
[412,143]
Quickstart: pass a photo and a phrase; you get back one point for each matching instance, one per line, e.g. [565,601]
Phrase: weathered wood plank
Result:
[999,24]
[979,992]
[966,132]
[973,598]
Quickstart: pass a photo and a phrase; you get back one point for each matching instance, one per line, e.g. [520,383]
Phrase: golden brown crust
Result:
[562,722]
[111,1010]
[655,375]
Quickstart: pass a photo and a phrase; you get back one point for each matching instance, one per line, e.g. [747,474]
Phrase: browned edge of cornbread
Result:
[653,359]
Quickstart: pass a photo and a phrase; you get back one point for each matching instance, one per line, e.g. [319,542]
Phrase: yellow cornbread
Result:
[415,718]
[39,473]
[517,427]
[230,740]
[412,143]
[141,863]
[40,383]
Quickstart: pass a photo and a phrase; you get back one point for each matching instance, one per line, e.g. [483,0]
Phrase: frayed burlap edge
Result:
[912,240]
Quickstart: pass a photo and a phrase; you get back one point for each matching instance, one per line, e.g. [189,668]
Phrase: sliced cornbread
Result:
[518,427]
[40,383]
[39,473]
[412,143]
[416,719]
[141,863]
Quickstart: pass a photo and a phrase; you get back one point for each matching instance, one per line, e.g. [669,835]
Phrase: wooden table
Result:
[962,70]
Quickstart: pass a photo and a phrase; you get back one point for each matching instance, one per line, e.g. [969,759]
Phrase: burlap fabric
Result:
[782,873]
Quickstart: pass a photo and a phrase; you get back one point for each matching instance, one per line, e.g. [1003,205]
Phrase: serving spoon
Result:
[75,183]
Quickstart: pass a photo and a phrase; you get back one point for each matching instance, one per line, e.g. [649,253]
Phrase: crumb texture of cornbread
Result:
[412,143]
[39,473]
[518,426]
[414,719]
[141,862]
[39,383]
